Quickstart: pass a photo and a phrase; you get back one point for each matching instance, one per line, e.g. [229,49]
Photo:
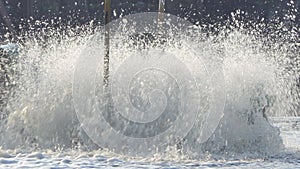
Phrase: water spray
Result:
[42,111]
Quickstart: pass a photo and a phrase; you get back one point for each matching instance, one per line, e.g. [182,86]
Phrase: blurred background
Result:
[19,15]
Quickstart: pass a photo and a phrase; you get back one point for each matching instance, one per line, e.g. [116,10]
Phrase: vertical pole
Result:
[161,6]
[106,42]
[161,10]
[30,8]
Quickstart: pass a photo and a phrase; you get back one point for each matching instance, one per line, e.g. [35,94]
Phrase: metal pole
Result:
[161,10]
[160,19]
[107,14]
[161,6]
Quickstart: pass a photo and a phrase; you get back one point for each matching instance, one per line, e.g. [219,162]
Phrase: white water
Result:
[41,117]
[289,158]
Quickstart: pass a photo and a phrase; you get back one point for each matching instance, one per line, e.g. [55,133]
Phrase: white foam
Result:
[42,114]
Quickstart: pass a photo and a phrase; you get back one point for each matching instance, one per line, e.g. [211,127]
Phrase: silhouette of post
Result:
[107,14]
[161,6]
[161,10]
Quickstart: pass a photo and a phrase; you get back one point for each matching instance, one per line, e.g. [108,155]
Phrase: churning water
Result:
[253,69]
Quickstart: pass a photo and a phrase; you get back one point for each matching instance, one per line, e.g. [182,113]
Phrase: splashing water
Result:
[260,78]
